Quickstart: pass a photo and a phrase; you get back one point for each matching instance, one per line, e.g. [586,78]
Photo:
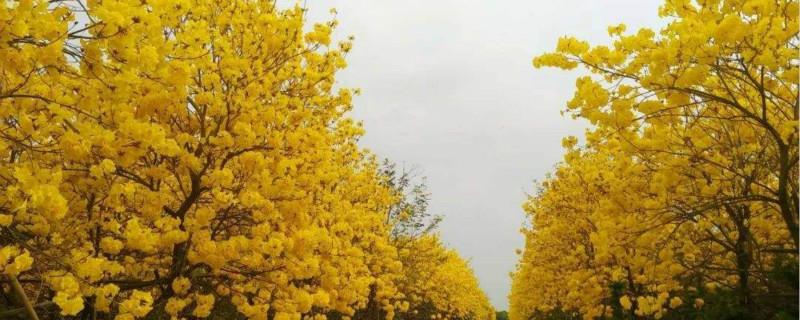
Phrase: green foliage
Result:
[409,214]
[501,315]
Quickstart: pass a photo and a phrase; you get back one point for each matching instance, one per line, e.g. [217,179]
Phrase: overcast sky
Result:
[448,87]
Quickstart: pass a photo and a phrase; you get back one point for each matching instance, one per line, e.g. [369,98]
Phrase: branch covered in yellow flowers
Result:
[683,202]
[187,159]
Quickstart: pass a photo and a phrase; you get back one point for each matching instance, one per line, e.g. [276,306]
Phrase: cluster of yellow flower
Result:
[438,284]
[686,187]
[191,158]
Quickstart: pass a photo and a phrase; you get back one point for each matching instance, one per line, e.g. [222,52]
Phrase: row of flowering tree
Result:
[682,200]
[170,159]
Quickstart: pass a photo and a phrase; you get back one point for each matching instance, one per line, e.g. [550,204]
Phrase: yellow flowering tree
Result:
[688,180]
[192,159]
[433,282]
[438,284]
[163,158]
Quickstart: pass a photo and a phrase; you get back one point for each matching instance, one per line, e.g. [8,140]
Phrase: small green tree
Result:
[501,315]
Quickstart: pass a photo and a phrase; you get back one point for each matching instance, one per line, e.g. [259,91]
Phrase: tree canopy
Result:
[682,200]
[193,159]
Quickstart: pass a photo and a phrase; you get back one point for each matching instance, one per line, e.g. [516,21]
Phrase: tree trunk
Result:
[788,210]
[744,258]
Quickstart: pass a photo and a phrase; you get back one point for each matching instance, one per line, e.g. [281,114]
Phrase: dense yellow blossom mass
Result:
[439,284]
[192,159]
[683,201]
[184,159]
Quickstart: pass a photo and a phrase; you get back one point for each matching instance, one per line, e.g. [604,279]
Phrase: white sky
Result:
[448,87]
